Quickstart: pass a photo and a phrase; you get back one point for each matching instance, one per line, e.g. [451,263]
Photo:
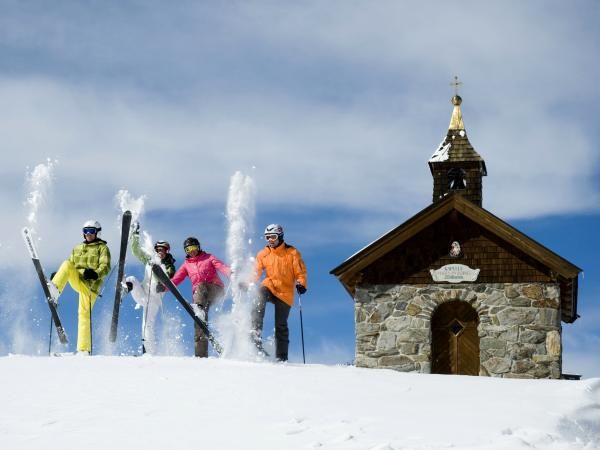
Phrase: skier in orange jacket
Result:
[284,271]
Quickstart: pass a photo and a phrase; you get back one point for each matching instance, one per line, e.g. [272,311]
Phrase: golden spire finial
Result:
[456,122]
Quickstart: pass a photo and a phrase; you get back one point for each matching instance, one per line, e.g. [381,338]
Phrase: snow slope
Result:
[102,402]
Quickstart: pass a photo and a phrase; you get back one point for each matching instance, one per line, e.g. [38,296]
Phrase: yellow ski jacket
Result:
[92,255]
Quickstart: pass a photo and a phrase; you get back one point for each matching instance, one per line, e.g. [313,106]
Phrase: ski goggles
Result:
[271,237]
[161,248]
[190,248]
[90,230]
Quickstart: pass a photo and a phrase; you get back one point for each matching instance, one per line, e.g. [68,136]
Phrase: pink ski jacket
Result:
[201,269]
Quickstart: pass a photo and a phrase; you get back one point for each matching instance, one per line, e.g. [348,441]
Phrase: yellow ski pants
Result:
[68,272]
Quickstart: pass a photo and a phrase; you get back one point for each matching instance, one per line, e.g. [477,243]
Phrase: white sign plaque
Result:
[454,273]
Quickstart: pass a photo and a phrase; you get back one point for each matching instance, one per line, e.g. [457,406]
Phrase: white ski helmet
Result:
[92,224]
[163,244]
[274,229]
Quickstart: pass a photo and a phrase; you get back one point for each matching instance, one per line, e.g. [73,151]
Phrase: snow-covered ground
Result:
[102,402]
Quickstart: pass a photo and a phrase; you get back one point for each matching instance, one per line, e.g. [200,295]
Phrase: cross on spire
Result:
[456,84]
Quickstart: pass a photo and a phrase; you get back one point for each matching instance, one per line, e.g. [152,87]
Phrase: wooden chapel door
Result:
[455,341]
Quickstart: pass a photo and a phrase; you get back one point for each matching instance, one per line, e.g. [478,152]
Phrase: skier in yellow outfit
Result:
[85,270]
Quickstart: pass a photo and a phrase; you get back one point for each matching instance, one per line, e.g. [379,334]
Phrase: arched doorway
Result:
[454,339]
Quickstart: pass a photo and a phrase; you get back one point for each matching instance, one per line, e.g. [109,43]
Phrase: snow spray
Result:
[136,205]
[234,328]
[128,202]
[25,329]
[39,182]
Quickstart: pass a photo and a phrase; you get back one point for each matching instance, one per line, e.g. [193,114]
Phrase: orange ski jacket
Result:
[283,267]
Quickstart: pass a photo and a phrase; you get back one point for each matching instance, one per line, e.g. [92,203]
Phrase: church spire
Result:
[455,165]
[456,121]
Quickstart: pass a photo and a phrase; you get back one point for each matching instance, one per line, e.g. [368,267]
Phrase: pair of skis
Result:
[52,302]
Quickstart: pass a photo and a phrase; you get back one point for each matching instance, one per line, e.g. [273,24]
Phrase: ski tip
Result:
[29,242]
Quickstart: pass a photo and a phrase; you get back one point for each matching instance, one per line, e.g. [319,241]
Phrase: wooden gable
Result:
[503,254]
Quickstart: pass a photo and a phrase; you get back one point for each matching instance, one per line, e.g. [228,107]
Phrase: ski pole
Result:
[104,283]
[50,339]
[301,327]
[91,335]
[226,293]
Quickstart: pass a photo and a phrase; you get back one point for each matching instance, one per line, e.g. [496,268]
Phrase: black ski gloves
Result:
[90,274]
[160,288]
[300,289]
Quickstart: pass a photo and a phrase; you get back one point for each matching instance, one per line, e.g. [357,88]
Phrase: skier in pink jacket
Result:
[202,268]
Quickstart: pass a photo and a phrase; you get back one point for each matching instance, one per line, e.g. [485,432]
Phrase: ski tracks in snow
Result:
[334,433]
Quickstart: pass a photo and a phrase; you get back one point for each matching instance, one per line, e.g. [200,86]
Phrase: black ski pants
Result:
[282,311]
[204,295]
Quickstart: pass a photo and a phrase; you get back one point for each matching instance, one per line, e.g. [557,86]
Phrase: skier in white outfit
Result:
[149,293]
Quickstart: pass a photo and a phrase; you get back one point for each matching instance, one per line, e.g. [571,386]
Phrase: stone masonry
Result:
[519,326]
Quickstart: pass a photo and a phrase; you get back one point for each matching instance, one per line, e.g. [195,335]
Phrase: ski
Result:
[62,335]
[125,225]
[164,279]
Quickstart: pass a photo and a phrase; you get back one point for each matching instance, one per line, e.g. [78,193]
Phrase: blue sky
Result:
[333,108]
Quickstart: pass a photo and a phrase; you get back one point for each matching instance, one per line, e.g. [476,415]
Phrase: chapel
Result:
[457,290]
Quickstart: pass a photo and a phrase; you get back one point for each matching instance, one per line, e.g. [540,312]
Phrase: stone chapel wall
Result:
[519,326]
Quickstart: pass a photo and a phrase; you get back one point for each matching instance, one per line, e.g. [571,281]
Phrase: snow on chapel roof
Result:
[441,154]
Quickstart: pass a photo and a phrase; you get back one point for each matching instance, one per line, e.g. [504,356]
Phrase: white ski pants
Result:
[151,302]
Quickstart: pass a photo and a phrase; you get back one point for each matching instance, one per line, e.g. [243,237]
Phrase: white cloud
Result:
[337,107]
[310,95]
